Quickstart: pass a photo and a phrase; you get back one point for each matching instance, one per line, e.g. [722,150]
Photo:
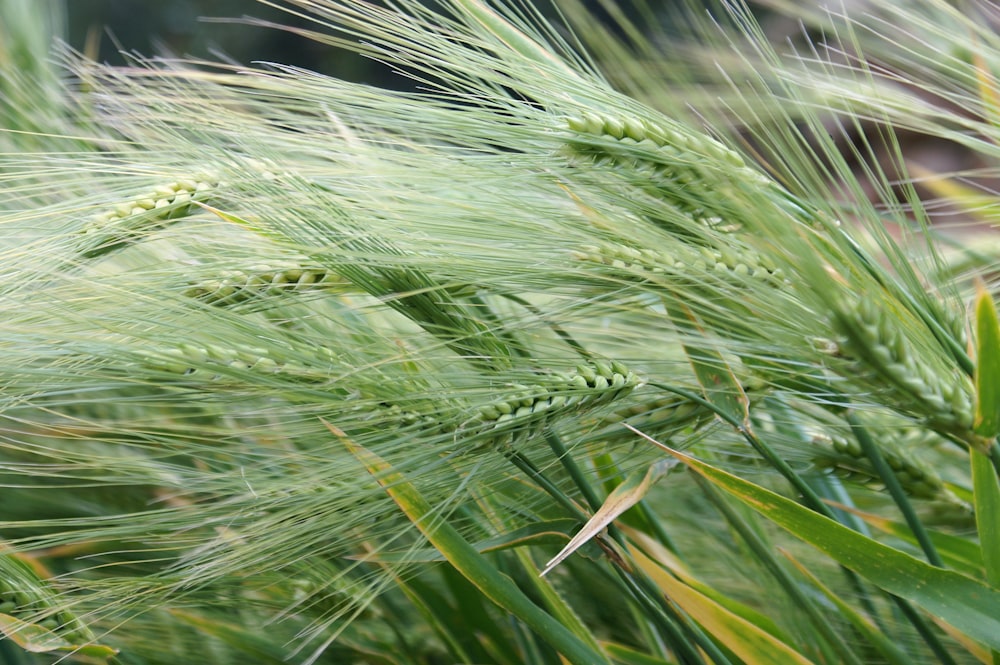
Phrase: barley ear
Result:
[527,409]
[687,169]
[225,364]
[234,287]
[661,417]
[844,457]
[29,601]
[881,353]
[130,221]
[693,264]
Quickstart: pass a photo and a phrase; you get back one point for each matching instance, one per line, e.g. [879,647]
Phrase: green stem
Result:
[471,564]
[656,527]
[834,490]
[812,500]
[562,454]
[995,457]
[895,489]
[494,323]
[930,638]
[670,625]
[550,488]
[643,590]
[827,488]
[532,651]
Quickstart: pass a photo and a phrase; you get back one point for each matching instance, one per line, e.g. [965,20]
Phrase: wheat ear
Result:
[686,169]
[661,417]
[529,408]
[677,146]
[522,410]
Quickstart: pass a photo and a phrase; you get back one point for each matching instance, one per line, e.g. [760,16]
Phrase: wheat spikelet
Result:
[680,146]
[661,417]
[406,419]
[125,407]
[523,410]
[131,220]
[392,415]
[237,286]
[955,323]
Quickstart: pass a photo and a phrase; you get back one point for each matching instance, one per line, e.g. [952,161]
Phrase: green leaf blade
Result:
[987,418]
[965,603]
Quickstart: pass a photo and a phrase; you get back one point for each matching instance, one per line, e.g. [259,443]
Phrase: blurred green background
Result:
[213,28]
[204,29]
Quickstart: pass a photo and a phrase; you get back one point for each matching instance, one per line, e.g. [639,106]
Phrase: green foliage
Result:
[301,370]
